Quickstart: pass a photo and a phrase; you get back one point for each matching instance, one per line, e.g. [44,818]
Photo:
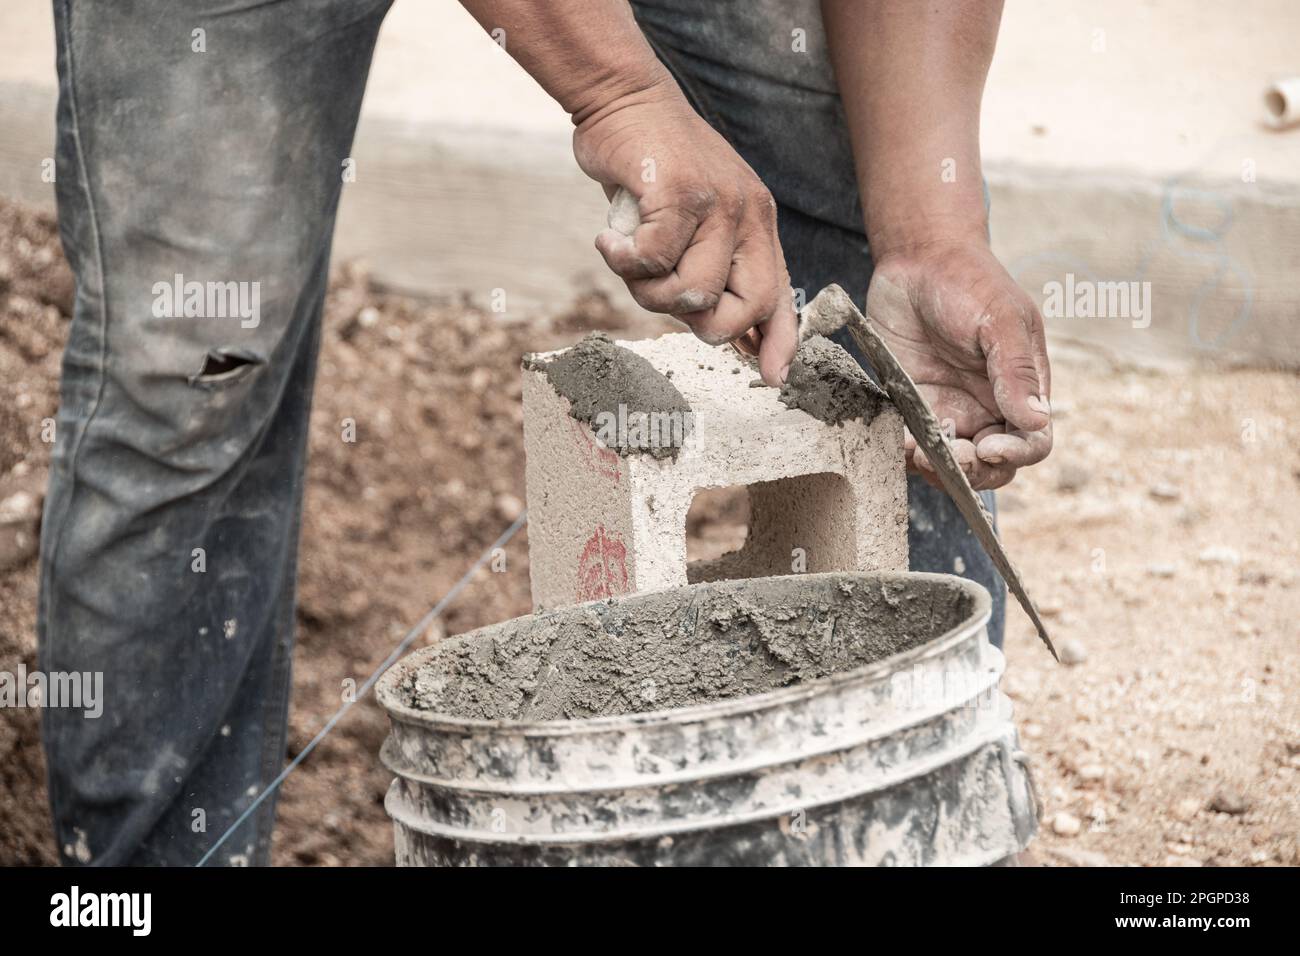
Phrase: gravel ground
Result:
[1161,538]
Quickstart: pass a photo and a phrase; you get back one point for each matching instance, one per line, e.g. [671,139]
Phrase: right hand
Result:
[706,251]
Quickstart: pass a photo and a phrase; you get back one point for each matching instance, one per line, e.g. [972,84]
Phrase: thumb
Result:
[1015,349]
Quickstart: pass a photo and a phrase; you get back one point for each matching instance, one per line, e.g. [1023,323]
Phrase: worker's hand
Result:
[706,250]
[973,342]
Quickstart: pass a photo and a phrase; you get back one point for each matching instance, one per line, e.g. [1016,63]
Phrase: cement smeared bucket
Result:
[821,719]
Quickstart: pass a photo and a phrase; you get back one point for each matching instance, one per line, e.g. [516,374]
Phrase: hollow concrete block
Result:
[822,497]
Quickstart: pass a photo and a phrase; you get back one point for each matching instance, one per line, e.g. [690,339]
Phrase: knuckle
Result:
[760,200]
[655,263]
[623,260]
[671,299]
[710,333]
[694,300]
[653,300]
[695,201]
[731,203]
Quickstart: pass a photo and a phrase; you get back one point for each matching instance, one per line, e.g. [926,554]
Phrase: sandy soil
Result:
[1161,539]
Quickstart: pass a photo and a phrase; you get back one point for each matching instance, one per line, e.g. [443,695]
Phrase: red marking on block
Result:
[598,459]
[602,566]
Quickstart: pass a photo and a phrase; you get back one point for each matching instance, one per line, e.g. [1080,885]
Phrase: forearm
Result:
[911,75]
[705,248]
[585,53]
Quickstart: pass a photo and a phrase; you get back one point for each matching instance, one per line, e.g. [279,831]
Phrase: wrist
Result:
[921,232]
[915,198]
[642,80]
[622,127]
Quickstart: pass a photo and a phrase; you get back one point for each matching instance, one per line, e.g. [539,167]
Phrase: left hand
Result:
[973,341]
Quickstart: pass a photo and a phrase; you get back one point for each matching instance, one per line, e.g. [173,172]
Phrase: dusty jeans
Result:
[200,147]
[171,524]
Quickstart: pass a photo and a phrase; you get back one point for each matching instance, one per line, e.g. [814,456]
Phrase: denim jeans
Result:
[200,145]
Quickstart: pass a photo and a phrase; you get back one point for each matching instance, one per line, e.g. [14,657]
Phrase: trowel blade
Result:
[832,310]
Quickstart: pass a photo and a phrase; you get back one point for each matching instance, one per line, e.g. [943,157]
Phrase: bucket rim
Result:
[436,720]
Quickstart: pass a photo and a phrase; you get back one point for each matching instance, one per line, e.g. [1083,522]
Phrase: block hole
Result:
[717,523]
[788,526]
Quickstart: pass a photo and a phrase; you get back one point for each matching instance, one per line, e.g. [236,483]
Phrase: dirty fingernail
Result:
[993,459]
[1039,405]
[785,373]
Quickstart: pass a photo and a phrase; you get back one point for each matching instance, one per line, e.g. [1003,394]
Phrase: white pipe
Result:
[1282,100]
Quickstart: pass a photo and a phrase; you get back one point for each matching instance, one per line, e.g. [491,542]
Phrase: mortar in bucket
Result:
[830,719]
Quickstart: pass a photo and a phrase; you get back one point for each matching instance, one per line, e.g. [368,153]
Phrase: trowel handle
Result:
[624,213]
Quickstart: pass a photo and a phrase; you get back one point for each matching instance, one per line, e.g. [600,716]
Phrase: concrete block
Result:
[603,524]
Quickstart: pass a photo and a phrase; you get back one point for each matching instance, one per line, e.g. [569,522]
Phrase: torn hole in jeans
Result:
[223,365]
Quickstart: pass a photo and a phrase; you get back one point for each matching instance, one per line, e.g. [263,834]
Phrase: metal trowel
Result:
[833,310]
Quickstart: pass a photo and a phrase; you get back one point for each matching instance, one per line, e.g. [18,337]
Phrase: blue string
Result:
[1172,226]
[421,626]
